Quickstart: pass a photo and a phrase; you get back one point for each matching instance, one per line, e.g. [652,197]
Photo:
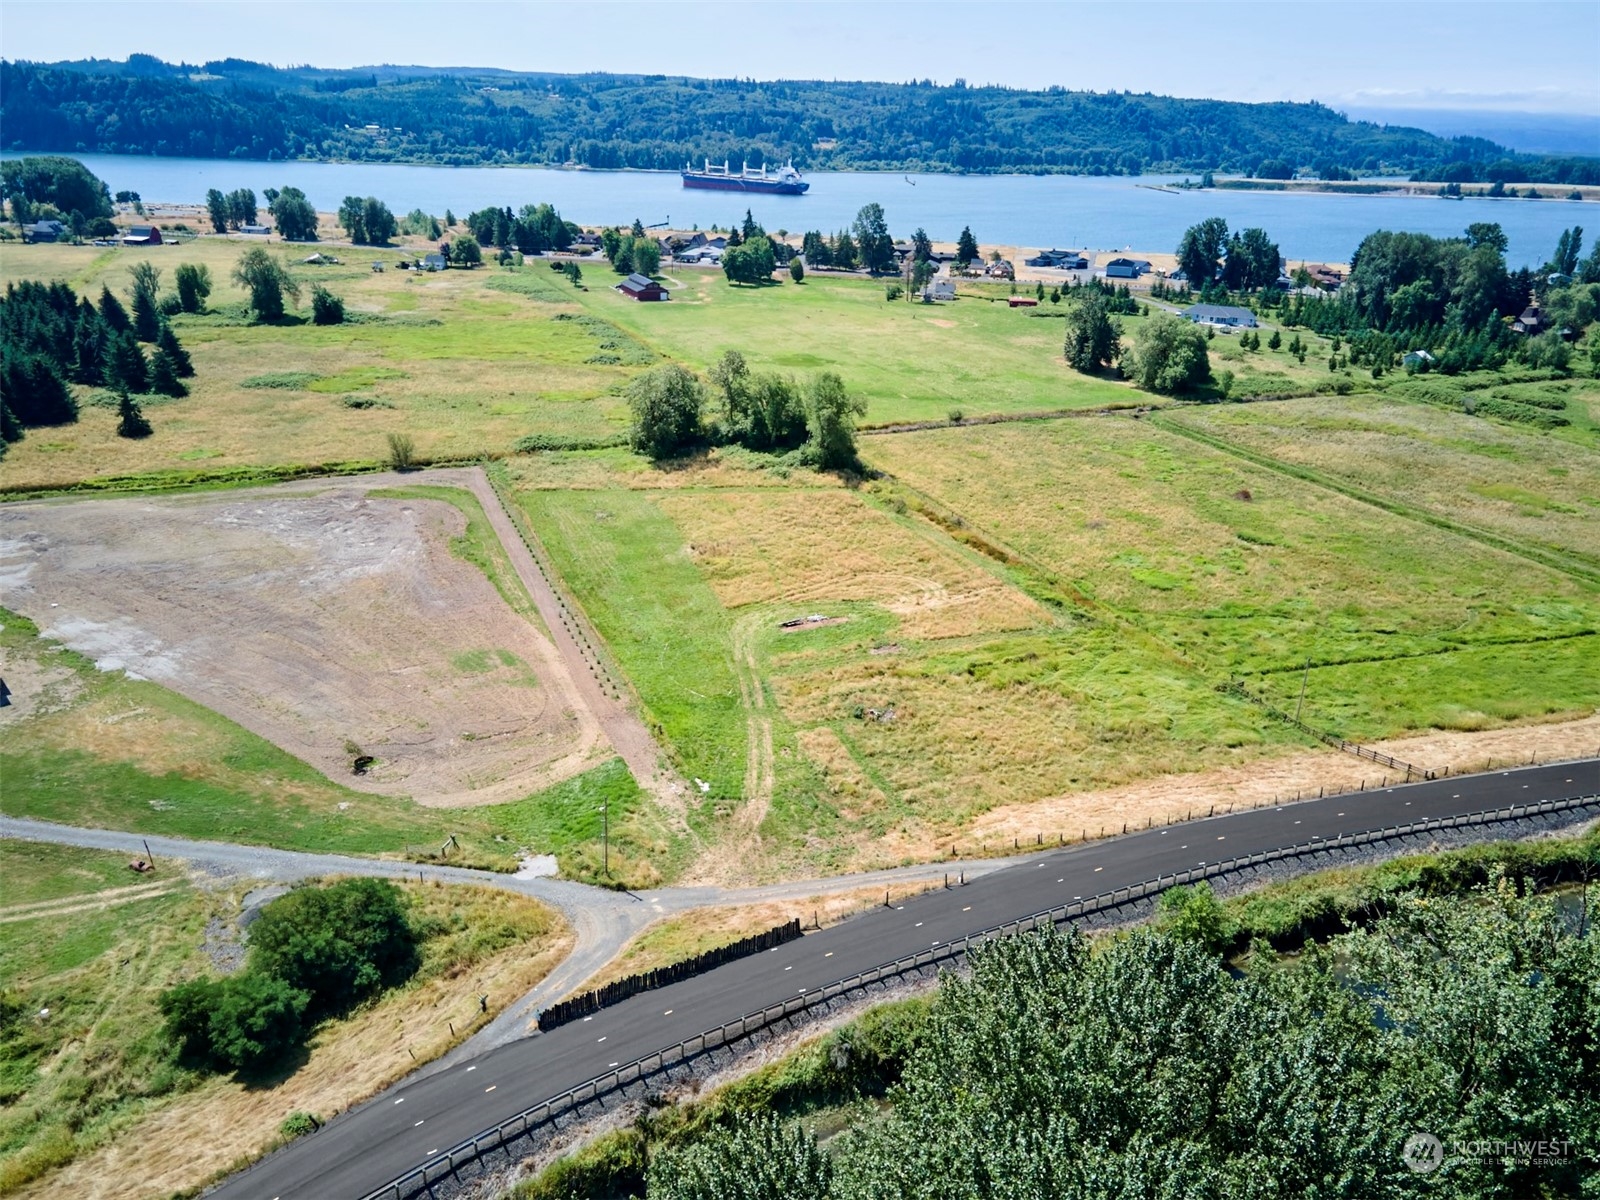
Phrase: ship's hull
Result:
[732,183]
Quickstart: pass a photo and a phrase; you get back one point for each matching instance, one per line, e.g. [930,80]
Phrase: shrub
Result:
[326,308]
[338,943]
[1169,355]
[297,1125]
[666,404]
[402,451]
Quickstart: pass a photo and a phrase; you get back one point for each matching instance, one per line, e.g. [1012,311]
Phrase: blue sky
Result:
[1527,55]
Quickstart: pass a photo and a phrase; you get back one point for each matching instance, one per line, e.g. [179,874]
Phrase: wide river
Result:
[1069,211]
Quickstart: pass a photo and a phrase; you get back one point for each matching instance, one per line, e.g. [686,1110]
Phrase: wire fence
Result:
[419,1180]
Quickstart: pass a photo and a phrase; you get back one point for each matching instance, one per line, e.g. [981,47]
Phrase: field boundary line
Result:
[1549,559]
[420,1180]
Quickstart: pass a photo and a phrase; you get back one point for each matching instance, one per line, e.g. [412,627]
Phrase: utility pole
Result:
[605,837]
[1304,679]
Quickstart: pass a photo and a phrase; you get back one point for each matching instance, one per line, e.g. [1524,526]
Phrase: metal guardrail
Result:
[420,1179]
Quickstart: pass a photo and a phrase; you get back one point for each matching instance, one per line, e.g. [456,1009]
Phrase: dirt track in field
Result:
[318,618]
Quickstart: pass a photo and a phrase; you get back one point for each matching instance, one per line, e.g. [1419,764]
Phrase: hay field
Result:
[465,362]
[790,548]
[1240,570]
[862,740]
[1535,489]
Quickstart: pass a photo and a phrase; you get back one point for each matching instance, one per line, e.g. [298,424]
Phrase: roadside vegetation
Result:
[1355,1012]
[88,949]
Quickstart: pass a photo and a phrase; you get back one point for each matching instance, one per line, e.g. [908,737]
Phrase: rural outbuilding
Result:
[642,287]
[1224,316]
[142,235]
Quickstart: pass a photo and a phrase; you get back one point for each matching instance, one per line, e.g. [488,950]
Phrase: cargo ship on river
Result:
[785,181]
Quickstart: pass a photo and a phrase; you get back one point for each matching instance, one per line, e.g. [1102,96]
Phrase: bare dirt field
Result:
[324,620]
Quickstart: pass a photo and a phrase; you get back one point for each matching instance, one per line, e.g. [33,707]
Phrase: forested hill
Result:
[237,109]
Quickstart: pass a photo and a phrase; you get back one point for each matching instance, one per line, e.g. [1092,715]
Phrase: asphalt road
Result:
[401,1128]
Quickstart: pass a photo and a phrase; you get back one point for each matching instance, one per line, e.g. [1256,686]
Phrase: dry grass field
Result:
[95,1104]
[461,365]
[1535,489]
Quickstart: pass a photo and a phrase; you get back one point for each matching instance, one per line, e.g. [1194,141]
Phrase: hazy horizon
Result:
[1322,50]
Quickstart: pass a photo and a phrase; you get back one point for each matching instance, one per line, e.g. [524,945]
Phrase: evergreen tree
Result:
[169,345]
[112,312]
[131,422]
[967,247]
[89,346]
[921,245]
[35,392]
[638,227]
[146,301]
[125,364]
[1092,339]
[164,379]
[750,228]
[10,428]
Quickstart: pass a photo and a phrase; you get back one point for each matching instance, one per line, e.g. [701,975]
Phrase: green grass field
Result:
[1533,488]
[1244,571]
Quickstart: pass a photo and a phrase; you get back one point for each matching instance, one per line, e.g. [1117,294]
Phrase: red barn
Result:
[642,287]
[142,235]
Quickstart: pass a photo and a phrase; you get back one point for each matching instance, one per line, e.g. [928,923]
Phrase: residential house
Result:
[43,231]
[942,288]
[1417,360]
[642,287]
[1063,260]
[1530,322]
[1127,268]
[434,262]
[142,235]
[1221,316]
[1001,270]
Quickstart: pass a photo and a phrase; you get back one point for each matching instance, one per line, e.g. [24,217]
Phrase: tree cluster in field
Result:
[632,251]
[1245,262]
[237,109]
[314,953]
[533,229]
[368,222]
[1139,1067]
[1168,354]
[52,188]
[865,246]
[51,338]
[811,424]
[231,210]
[1455,298]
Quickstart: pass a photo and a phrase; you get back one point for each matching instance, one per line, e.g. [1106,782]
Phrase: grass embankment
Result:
[847,1075]
[98,749]
[95,1104]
